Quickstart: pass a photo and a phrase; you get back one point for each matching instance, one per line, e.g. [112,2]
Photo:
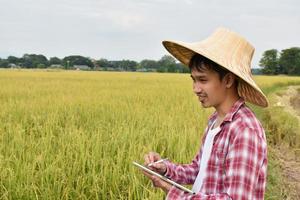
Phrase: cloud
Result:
[134,29]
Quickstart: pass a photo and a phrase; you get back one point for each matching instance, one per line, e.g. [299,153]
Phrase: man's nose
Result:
[197,88]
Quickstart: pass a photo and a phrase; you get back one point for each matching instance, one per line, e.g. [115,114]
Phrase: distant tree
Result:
[148,64]
[167,64]
[167,60]
[128,65]
[21,62]
[33,60]
[70,61]
[41,66]
[269,62]
[3,63]
[182,68]
[289,61]
[55,61]
[256,71]
[13,59]
[39,60]
[103,63]
[27,61]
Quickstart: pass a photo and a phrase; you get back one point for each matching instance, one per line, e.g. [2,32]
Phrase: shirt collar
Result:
[229,116]
[236,106]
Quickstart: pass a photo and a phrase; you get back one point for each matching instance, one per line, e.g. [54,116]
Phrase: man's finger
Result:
[146,158]
[158,165]
[146,174]
[155,181]
[155,156]
[151,157]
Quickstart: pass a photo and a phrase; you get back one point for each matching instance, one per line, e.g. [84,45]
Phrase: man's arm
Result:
[183,173]
[245,158]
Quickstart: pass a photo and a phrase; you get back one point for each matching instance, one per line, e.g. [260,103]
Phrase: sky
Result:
[134,29]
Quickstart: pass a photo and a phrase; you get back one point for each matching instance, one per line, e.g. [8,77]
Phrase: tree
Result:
[182,68]
[13,59]
[27,61]
[104,63]
[34,60]
[167,60]
[167,64]
[41,66]
[269,62]
[3,63]
[55,61]
[289,61]
[70,61]
[128,65]
[148,64]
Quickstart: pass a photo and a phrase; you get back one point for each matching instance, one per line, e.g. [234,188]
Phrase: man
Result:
[232,161]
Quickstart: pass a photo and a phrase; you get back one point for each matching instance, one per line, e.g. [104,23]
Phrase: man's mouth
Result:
[201,98]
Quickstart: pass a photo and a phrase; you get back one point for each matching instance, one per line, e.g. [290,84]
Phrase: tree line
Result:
[272,62]
[286,62]
[165,64]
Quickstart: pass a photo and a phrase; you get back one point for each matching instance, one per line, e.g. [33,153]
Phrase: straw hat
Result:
[229,50]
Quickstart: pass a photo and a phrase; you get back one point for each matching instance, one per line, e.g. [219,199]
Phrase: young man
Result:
[232,161]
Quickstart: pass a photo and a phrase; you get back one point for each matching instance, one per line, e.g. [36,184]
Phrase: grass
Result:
[281,128]
[73,135]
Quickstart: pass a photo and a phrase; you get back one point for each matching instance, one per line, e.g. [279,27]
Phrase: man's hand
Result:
[161,168]
[151,157]
[157,182]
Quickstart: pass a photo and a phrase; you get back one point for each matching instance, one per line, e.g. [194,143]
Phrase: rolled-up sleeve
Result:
[183,173]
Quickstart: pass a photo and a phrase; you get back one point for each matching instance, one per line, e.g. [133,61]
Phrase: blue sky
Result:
[134,29]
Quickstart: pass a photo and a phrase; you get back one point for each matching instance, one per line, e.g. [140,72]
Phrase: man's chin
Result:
[205,105]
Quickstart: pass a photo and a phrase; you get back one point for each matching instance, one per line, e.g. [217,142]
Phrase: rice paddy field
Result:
[74,135]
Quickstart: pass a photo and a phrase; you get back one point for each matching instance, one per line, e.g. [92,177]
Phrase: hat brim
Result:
[247,88]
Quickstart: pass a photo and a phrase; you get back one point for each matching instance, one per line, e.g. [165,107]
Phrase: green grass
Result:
[281,128]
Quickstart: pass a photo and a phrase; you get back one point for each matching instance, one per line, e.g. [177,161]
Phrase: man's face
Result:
[208,87]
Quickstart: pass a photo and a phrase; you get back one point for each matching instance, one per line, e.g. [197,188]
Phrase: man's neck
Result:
[223,108]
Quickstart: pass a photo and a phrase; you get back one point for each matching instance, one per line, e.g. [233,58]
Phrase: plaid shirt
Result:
[237,165]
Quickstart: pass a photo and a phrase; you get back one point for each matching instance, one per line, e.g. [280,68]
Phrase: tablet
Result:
[163,178]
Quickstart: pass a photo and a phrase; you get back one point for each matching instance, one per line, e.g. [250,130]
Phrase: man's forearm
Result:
[182,173]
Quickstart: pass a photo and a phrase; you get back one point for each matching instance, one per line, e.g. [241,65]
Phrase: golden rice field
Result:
[73,135]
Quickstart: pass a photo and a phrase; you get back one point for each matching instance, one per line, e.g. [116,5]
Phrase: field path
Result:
[290,100]
[290,165]
[288,158]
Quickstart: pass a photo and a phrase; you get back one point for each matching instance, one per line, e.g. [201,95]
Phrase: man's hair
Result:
[202,63]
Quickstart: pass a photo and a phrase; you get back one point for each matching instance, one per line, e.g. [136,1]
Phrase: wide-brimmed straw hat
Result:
[229,50]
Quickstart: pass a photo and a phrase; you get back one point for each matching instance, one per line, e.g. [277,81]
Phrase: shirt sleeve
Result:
[245,157]
[183,173]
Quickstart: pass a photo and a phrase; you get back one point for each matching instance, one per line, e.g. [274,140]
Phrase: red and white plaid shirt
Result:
[237,165]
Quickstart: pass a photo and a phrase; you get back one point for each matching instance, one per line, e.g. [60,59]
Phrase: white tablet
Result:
[163,178]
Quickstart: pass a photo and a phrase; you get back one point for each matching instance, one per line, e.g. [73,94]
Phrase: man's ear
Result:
[229,79]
